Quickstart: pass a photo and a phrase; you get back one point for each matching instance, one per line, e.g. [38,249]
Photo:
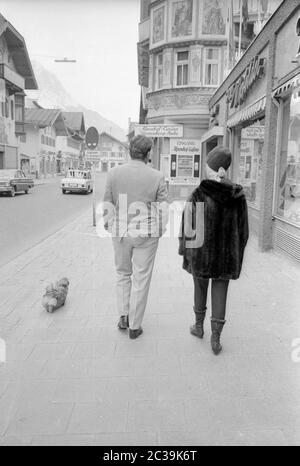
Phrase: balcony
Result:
[15,82]
[181,103]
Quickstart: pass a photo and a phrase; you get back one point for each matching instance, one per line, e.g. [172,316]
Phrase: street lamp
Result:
[65,60]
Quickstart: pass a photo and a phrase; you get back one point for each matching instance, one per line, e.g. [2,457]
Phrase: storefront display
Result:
[251,156]
[288,194]
[185,160]
[258,106]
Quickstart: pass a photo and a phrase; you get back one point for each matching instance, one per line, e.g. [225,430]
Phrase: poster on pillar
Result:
[185,161]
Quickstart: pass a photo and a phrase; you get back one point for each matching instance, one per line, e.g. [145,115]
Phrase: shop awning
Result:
[290,84]
[249,113]
[214,132]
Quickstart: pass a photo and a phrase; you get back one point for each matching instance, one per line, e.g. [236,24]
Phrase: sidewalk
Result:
[72,378]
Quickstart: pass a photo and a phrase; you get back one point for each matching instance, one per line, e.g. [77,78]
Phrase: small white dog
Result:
[56,295]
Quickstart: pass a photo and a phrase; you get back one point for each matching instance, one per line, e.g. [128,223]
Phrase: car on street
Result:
[13,181]
[77,181]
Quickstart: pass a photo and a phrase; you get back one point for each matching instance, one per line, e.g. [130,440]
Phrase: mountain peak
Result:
[52,94]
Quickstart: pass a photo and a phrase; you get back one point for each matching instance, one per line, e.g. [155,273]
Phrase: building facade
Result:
[184,54]
[38,144]
[112,152]
[70,148]
[16,74]
[258,109]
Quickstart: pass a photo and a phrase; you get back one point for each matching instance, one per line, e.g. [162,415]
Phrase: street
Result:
[28,219]
[72,378]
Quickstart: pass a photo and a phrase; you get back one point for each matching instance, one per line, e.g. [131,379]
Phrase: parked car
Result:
[77,181]
[14,181]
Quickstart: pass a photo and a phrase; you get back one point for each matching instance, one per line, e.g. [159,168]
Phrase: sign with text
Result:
[159,131]
[238,92]
[185,165]
[185,158]
[92,155]
[254,132]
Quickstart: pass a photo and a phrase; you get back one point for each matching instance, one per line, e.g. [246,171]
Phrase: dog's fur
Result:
[56,295]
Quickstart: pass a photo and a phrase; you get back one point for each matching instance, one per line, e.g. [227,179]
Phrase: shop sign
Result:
[238,92]
[159,131]
[254,132]
[185,158]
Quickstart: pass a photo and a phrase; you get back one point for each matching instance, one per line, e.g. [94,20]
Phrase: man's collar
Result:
[137,161]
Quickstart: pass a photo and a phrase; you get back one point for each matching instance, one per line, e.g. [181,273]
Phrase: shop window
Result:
[182,68]
[5,108]
[251,158]
[212,67]
[159,71]
[288,190]
[12,110]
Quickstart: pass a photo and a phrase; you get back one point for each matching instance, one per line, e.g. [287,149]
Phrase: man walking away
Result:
[136,213]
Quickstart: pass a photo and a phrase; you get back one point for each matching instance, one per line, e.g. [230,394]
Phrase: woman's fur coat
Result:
[214,230]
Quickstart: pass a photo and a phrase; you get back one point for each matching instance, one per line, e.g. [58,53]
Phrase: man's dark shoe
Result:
[123,323]
[133,334]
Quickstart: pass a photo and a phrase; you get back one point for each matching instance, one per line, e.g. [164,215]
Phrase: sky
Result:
[100,34]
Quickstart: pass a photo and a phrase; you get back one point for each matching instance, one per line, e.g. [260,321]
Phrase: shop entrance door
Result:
[1,160]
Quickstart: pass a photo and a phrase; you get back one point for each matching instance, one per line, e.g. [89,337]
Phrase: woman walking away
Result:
[214,233]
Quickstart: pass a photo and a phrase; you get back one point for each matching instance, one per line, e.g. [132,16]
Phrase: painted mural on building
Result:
[158,30]
[182,18]
[214,17]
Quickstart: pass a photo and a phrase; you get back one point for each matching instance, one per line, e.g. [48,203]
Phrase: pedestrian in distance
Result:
[213,237]
[136,214]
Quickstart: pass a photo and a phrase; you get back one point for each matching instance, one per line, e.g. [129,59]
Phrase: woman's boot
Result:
[216,330]
[197,329]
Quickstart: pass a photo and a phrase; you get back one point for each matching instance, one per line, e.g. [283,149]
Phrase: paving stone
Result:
[112,367]
[135,348]
[157,365]
[63,440]
[131,388]
[80,390]
[92,418]
[23,441]
[36,418]
[126,439]
[156,416]
[44,351]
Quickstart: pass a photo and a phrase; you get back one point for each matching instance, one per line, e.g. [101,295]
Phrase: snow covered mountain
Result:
[51,94]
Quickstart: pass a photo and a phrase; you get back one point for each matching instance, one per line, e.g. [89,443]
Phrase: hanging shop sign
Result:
[238,92]
[159,131]
[185,159]
[254,132]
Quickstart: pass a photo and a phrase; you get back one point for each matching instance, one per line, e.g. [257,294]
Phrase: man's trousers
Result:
[134,260]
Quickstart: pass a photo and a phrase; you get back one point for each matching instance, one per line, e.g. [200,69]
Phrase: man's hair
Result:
[139,147]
